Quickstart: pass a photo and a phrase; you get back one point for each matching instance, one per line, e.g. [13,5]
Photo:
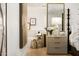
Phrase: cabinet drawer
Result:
[56,39]
[57,44]
[57,50]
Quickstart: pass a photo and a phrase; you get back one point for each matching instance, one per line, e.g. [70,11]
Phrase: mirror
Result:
[3,29]
[56,16]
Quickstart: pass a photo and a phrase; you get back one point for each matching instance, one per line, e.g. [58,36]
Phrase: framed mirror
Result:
[55,17]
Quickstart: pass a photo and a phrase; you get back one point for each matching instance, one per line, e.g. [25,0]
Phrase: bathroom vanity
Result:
[56,44]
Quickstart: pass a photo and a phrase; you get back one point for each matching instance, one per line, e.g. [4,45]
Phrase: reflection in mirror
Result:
[56,16]
[57,21]
[3,29]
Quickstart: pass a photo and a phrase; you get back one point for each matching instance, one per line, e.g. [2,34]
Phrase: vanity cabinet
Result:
[56,44]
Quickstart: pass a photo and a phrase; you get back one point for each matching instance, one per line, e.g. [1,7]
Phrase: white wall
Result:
[13,30]
[74,22]
[73,16]
[37,11]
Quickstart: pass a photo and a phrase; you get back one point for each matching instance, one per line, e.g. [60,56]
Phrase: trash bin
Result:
[39,43]
[34,44]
